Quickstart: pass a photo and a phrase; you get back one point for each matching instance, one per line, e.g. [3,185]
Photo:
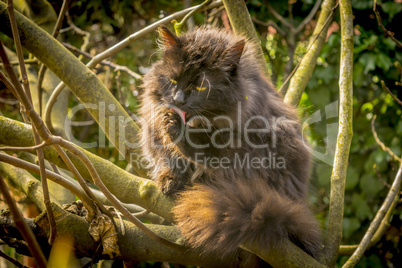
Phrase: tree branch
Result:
[279,17]
[348,250]
[385,207]
[309,17]
[390,93]
[381,144]
[345,133]
[23,228]
[306,66]
[386,32]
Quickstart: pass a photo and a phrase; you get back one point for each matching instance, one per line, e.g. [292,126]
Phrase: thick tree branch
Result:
[306,66]
[133,244]
[345,133]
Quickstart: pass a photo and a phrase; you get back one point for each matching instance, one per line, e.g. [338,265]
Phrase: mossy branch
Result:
[126,187]
[345,133]
[303,73]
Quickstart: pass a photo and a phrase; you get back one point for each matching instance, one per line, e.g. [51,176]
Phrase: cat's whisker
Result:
[209,87]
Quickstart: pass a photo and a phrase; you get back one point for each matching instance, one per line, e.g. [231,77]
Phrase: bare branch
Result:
[12,260]
[105,62]
[390,93]
[270,23]
[386,32]
[27,91]
[179,25]
[309,17]
[16,162]
[279,17]
[345,133]
[23,228]
[382,145]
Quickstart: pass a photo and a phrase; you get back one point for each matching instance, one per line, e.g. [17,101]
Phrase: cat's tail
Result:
[219,216]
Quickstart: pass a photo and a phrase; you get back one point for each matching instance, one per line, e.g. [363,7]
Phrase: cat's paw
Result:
[169,184]
[172,125]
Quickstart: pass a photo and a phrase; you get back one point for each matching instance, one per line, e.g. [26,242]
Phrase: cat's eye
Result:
[201,88]
[172,81]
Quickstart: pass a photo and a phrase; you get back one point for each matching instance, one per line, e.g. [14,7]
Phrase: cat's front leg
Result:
[173,127]
[172,175]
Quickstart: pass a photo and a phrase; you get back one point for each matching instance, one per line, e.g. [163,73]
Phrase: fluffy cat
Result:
[220,137]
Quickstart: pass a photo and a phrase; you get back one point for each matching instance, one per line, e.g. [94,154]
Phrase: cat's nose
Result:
[178,97]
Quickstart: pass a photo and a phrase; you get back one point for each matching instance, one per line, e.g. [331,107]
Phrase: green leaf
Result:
[361,208]
[391,8]
[361,4]
[399,128]
[368,60]
[371,185]
[324,174]
[321,96]
[383,61]
[352,178]
[358,76]
[350,225]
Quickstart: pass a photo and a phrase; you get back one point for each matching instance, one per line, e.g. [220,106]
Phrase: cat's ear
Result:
[233,54]
[169,39]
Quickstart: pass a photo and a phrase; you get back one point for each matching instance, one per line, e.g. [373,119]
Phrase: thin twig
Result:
[178,25]
[390,93]
[279,17]
[9,101]
[382,145]
[105,62]
[386,32]
[27,61]
[29,148]
[22,226]
[52,176]
[25,84]
[12,260]
[309,17]
[330,17]
[268,24]
[384,209]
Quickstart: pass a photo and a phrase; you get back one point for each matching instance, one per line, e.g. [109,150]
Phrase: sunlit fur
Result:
[220,208]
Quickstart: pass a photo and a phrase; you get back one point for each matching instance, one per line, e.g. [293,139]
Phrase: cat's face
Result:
[196,81]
